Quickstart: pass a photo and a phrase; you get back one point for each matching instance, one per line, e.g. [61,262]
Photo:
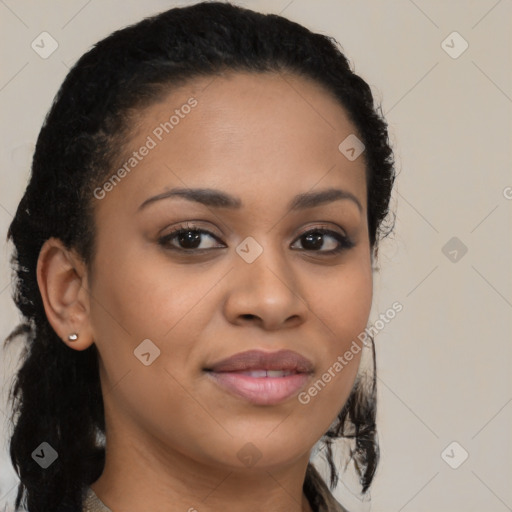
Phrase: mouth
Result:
[262,378]
[259,374]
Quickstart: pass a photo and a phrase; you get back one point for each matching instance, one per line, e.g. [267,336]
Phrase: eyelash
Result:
[344,241]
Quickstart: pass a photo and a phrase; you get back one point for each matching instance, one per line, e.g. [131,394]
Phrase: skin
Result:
[172,434]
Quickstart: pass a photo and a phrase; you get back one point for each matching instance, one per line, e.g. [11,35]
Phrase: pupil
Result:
[315,239]
[194,239]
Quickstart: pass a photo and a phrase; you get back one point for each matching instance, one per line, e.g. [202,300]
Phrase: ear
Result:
[62,280]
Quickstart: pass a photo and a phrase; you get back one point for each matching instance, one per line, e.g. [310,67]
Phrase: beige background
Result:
[444,362]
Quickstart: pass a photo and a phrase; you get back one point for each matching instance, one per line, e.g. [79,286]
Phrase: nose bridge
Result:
[266,261]
[265,284]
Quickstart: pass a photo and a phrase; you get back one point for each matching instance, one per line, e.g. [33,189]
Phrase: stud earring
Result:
[73,337]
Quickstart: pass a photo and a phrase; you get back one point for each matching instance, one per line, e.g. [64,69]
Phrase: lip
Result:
[233,375]
[286,360]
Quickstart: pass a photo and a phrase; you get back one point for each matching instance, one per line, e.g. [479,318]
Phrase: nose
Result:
[266,292]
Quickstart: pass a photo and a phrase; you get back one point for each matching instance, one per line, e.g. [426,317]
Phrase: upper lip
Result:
[286,360]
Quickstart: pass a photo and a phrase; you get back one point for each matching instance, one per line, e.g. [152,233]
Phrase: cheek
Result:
[134,301]
[344,301]
[343,306]
[131,290]
[139,296]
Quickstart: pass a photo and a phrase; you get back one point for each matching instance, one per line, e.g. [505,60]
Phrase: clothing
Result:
[93,504]
[316,490]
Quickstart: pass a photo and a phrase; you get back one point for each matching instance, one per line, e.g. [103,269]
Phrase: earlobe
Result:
[62,280]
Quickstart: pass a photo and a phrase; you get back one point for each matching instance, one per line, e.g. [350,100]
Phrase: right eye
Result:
[188,239]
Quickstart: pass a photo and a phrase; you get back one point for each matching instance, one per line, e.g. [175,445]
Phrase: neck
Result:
[141,476]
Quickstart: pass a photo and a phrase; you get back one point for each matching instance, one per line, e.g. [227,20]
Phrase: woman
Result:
[194,259]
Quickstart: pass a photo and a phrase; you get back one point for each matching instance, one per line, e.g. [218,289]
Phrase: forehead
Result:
[231,106]
[243,131]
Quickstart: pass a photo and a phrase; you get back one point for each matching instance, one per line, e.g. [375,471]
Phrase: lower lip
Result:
[263,390]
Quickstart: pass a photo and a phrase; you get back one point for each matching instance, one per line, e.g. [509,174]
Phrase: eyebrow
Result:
[218,199]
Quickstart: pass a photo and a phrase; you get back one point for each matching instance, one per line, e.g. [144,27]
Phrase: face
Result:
[258,265]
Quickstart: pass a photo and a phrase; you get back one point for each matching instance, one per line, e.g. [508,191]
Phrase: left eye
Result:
[314,238]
